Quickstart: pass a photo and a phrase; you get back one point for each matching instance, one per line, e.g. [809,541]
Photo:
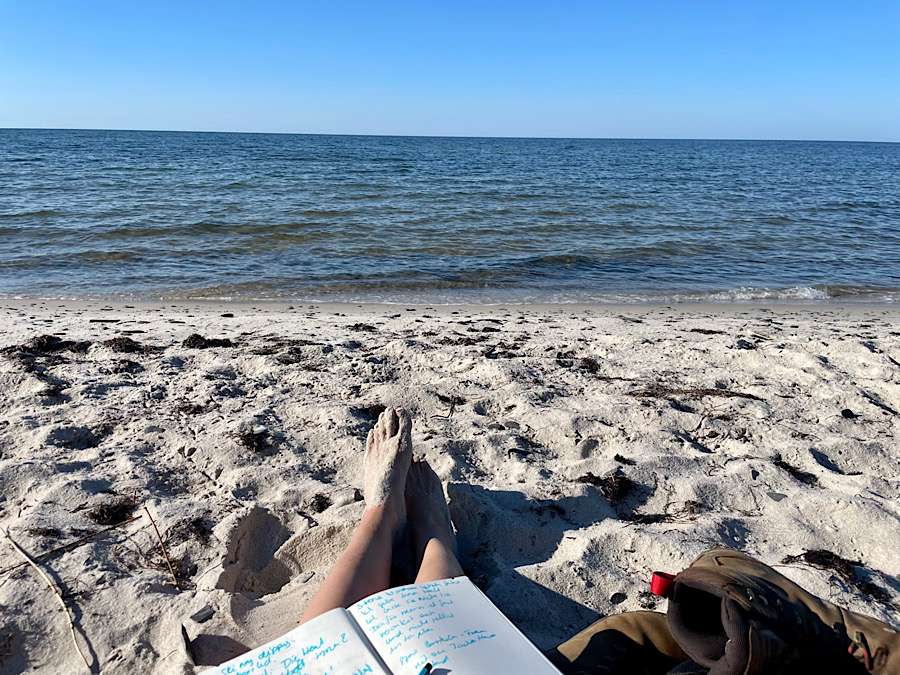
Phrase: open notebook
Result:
[450,624]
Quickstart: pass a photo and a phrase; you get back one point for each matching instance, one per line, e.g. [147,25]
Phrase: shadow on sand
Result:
[501,530]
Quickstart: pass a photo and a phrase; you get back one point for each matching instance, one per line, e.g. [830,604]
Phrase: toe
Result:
[392,422]
[405,428]
[380,428]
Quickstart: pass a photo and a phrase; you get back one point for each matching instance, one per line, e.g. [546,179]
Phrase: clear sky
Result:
[828,69]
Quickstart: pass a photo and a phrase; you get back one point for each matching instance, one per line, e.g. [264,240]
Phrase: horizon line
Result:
[460,136]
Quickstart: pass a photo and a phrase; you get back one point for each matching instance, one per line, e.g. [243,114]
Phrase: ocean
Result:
[133,214]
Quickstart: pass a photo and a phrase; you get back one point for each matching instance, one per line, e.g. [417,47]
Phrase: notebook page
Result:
[450,624]
[328,645]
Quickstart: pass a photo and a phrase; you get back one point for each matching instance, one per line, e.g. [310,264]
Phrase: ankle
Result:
[435,540]
[439,561]
[429,525]
[382,517]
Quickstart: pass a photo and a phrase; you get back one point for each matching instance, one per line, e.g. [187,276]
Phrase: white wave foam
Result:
[512,296]
[749,293]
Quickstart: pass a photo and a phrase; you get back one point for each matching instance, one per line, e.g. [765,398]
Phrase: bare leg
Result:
[364,567]
[430,526]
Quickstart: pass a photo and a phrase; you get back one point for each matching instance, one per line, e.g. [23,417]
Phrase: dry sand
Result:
[248,457]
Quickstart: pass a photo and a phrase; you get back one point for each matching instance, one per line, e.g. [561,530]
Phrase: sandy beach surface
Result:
[582,447]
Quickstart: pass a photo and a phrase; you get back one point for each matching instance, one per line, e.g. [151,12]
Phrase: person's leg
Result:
[364,567]
[430,525]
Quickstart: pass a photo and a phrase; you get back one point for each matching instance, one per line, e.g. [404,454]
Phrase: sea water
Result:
[369,218]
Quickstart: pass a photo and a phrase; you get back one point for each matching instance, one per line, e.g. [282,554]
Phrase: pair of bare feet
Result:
[408,491]
[403,497]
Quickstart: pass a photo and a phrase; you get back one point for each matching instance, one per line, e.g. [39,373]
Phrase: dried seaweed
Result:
[692,507]
[614,487]
[124,367]
[651,518]
[685,437]
[451,400]
[319,502]
[51,344]
[287,347]
[878,403]
[804,477]
[501,350]
[196,341]
[114,512]
[124,345]
[693,393]
[588,364]
[464,340]
[846,570]
[132,556]
[686,513]
[565,359]
[198,528]
[86,536]
[45,532]
[255,440]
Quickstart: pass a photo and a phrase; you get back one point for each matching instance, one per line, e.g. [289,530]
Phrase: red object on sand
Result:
[661,583]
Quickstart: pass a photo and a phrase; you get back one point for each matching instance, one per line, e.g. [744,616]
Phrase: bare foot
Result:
[429,517]
[386,463]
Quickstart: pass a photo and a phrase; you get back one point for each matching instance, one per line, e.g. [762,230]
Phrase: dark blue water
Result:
[98,213]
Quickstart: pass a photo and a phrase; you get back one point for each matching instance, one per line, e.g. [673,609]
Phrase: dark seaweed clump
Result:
[847,570]
[196,341]
[614,487]
[804,477]
[124,345]
[113,513]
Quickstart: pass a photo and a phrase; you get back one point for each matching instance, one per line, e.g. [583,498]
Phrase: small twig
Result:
[162,547]
[72,544]
[56,592]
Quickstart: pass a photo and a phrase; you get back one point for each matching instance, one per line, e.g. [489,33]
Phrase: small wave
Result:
[201,229]
[627,207]
[744,294]
[328,213]
[557,213]
[87,260]
[777,220]
[450,294]
[363,196]
[560,260]
[798,294]
[106,256]
[39,213]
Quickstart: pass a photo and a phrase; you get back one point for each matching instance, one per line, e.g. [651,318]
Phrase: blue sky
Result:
[673,69]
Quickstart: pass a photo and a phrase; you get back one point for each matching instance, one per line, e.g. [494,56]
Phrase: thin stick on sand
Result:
[72,544]
[162,547]
[56,592]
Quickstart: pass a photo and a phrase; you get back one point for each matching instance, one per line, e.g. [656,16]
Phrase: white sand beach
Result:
[582,446]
